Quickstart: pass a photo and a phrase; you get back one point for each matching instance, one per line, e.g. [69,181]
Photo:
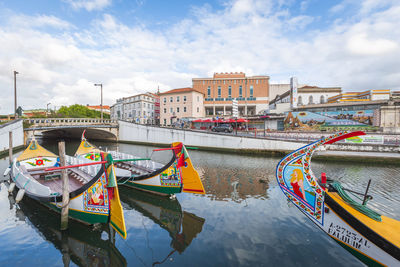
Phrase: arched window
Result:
[322,100]
[310,100]
[300,101]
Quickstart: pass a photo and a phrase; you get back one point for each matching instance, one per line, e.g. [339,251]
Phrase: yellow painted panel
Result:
[190,177]
[117,219]
[388,228]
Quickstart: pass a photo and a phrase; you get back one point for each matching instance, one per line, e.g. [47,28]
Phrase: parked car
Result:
[222,128]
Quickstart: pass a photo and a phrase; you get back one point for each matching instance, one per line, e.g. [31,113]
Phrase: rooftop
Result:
[180,90]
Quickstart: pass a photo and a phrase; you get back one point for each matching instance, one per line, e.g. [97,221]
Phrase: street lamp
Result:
[47,109]
[101,105]
[15,94]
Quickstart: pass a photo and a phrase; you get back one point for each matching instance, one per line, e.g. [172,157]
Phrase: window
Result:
[310,100]
[177,109]
[256,81]
[230,91]
[171,99]
[219,91]
[240,91]
[184,98]
[322,100]
[165,121]
[251,90]
[184,109]
[171,110]
[209,91]
[177,99]
[300,102]
[165,110]
[198,98]
[198,109]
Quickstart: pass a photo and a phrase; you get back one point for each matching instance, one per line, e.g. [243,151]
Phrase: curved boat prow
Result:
[190,177]
[373,239]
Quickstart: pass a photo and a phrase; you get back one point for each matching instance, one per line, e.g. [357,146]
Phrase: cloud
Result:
[356,52]
[89,5]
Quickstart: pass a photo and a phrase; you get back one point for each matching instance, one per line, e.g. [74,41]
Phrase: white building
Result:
[306,95]
[140,108]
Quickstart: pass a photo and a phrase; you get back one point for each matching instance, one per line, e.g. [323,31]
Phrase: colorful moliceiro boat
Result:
[371,237]
[177,176]
[94,196]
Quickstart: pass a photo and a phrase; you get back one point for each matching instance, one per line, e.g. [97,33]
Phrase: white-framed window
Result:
[171,99]
[184,109]
[177,99]
[177,110]
[184,98]
[171,110]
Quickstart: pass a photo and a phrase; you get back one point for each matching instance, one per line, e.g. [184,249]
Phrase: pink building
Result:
[178,104]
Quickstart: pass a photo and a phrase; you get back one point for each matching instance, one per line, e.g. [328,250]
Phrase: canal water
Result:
[243,220]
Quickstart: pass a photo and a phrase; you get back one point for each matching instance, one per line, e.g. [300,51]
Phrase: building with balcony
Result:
[178,104]
[252,93]
[141,108]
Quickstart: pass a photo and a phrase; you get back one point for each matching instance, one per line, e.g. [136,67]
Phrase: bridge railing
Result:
[61,121]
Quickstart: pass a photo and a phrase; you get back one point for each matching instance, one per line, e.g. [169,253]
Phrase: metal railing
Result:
[68,121]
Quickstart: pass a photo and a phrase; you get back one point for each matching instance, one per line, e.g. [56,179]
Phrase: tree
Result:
[79,111]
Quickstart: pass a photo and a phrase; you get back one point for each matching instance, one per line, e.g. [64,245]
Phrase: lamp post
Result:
[101,104]
[15,94]
[47,109]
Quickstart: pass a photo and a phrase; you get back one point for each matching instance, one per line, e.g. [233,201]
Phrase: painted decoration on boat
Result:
[96,197]
[38,161]
[93,156]
[171,176]
[298,184]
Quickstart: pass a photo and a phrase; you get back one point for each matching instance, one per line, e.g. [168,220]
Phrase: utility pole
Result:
[47,109]
[101,94]
[15,94]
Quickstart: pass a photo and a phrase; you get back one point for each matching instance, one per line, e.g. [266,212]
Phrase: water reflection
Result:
[81,244]
[182,226]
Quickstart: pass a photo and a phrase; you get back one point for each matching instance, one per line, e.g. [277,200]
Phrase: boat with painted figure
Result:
[177,176]
[371,237]
[94,196]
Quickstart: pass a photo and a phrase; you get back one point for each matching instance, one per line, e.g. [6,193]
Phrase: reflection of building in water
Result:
[182,226]
[81,245]
[236,184]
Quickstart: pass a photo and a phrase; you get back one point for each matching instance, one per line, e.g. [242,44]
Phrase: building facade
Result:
[138,108]
[252,93]
[370,95]
[178,104]
[106,109]
[306,95]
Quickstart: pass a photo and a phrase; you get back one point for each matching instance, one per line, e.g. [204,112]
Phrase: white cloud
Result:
[358,52]
[89,5]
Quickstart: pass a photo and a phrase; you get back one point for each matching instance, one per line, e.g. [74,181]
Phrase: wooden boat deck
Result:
[135,170]
[55,184]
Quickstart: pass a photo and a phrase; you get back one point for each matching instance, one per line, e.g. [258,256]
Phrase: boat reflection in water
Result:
[182,226]
[81,244]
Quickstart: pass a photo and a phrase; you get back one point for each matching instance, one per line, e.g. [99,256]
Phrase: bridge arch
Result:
[76,133]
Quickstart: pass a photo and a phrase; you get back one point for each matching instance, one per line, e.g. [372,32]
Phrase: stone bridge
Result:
[96,129]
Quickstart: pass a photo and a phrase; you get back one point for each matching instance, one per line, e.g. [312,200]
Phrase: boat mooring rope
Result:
[361,208]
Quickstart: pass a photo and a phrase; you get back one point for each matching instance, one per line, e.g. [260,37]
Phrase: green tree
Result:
[79,111]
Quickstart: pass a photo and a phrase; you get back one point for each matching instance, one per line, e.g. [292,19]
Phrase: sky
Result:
[61,48]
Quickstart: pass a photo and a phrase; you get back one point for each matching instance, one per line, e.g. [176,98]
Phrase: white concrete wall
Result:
[18,135]
[147,134]
[141,133]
